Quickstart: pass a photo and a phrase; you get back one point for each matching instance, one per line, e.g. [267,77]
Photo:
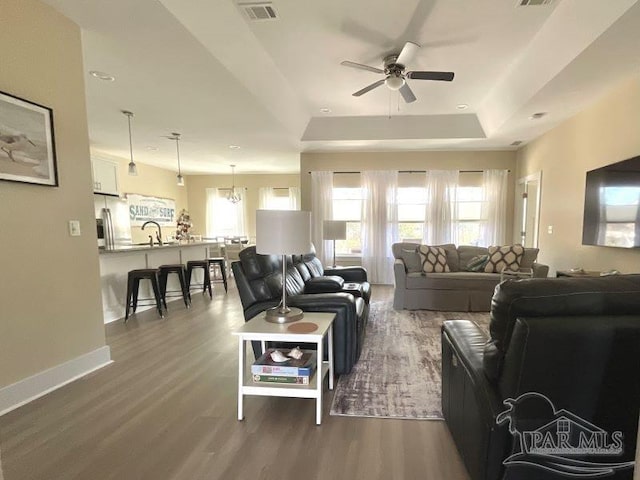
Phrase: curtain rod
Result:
[421,171]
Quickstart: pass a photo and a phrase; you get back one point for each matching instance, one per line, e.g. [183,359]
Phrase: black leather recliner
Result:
[574,340]
[343,291]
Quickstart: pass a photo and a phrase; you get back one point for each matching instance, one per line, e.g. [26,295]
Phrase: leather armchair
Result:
[259,280]
[574,340]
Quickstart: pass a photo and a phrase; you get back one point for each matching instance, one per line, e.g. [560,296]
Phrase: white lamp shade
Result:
[283,232]
[334,230]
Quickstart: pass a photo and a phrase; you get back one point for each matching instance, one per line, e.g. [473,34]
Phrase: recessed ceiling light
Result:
[462,106]
[152,148]
[325,110]
[537,115]
[234,147]
[102,75]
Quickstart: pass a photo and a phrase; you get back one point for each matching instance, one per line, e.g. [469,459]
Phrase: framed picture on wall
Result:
[27,147]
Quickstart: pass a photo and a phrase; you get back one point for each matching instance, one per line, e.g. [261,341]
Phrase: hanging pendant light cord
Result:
[177,137]
[130,141]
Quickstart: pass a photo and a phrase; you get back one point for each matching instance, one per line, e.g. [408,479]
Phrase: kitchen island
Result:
[116,262]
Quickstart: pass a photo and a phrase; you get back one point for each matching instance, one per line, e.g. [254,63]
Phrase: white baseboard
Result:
[28,389]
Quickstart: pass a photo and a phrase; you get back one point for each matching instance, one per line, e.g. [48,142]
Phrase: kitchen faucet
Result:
[158,233]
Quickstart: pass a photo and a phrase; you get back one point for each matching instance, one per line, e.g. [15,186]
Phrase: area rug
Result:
[398,374]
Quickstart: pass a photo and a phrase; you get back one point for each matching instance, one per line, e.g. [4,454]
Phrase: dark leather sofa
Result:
[575,341]
[343,291]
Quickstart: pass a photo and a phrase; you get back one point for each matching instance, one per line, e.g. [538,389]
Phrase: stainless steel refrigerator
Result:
[112,221]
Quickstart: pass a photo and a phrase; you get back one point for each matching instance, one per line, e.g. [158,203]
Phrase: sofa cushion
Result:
[477,263]
[411,259]
[463,281]
[324,284]
[467,252]
[507,257]
[529,257]
[434,259]
[452,256]
[558,297]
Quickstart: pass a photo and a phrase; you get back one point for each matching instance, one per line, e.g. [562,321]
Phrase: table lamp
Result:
[334,230]
[283,232]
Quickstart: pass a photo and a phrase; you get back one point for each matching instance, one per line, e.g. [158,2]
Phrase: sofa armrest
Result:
[350,274]
[540,270]
[470,402]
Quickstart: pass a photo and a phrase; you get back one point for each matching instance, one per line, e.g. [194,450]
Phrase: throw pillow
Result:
[477,263]
[411,260]
[507,257]
[434,259]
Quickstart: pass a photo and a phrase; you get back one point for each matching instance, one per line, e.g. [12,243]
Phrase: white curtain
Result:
[379,223]
[294,198]
[225,219]
[265,194]
[494,207]
[440,214]
[321,209]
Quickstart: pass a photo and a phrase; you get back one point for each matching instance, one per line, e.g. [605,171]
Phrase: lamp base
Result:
[286,315]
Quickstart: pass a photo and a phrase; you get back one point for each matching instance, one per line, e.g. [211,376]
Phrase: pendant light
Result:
[176,137]
[133,170]
[233,196]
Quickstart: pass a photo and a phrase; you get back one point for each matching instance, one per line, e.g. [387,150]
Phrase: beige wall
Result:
[358,161]
[151,181]
[605,133]
[50,305]
[197,195]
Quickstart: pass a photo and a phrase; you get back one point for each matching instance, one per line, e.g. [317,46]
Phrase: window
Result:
[468,215]
[411,212]
[224,219]
[347,205]
[279,198]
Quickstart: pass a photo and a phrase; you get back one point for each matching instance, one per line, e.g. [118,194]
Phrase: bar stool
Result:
[179,270]
[219,263]
[133,286]
[206,284]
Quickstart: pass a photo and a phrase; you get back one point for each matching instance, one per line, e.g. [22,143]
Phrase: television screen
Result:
[612,205]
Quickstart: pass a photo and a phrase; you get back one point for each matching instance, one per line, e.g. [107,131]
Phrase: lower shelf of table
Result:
[249,387]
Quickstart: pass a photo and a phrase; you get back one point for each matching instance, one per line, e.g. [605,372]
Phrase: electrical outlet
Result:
[74,228]
[550,229]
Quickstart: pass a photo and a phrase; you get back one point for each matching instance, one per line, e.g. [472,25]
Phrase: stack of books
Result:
[292,372]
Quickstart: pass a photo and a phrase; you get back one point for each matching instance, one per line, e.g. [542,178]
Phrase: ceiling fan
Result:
[394,72]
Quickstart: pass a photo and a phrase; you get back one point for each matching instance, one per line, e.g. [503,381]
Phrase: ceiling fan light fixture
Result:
[394,82]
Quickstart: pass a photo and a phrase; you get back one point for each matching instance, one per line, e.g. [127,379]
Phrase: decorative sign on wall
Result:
[143,209]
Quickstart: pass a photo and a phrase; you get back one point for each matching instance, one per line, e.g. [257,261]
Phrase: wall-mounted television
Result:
[612,205]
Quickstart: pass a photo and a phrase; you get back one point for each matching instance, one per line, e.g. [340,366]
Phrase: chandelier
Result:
[233,196]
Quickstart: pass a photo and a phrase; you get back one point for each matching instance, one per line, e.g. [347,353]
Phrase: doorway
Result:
[529,193]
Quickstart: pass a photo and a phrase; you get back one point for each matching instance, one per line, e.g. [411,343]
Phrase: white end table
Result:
[259,329]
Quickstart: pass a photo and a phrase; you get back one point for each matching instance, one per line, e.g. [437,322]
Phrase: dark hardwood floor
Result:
[166,409]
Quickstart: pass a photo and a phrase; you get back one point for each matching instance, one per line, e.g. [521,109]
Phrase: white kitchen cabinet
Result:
[105,176]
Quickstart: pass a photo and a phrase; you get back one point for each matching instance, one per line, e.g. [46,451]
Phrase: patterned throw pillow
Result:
[434,259]
[507,257]
[477,263]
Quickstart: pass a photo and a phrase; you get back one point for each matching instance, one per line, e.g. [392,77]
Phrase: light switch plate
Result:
[550,229]
[74,228]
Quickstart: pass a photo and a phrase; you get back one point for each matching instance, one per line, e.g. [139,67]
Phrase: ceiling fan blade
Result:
[407,94]
[368,88]
[408,52]
[360,66]
[442,76]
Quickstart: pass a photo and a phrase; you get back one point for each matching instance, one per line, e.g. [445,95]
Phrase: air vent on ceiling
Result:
[516,143]
[532,3]
[259,11]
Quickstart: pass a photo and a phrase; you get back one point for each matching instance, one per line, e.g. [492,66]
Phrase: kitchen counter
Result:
[115,264]
[146,247]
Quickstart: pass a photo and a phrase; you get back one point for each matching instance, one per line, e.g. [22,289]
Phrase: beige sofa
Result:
[459,290]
